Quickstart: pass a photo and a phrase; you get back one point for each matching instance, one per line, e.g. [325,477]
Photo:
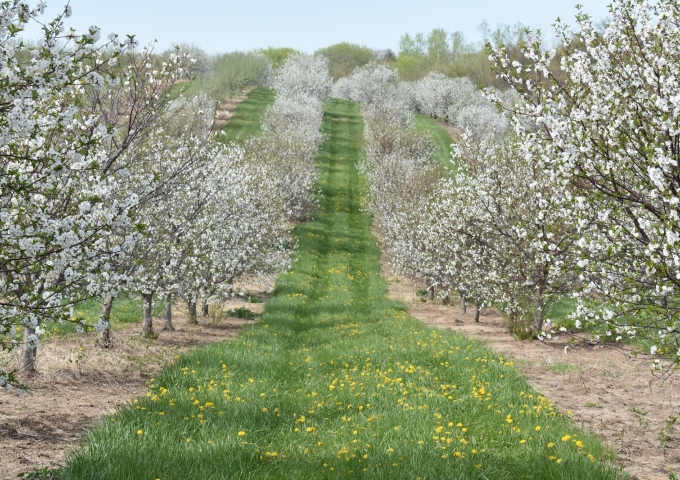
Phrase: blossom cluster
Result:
[454,100]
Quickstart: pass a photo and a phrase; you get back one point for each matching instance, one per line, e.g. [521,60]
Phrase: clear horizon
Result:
[306,25]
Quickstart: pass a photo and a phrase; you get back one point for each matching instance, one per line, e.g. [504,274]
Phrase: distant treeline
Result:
[447,52]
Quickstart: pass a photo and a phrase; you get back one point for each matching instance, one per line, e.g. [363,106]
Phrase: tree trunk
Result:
[538,312]
[446,300]
[205,310]
[147,321]
[167,314]
[29,352]
[478,307]
[463,303]
[105,340]
[430,293]
[192,313]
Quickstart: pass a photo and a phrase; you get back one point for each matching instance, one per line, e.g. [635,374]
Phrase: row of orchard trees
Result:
[108,184]
[568,185]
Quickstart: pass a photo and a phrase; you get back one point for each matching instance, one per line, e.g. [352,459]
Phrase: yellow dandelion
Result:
[241,433]
[139,432]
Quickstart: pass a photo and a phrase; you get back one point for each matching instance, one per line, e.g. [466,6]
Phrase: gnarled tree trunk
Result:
[192,312]
[29,352]
[147,321]
[167,313]
[430,293]
[205,310]
[463,303]
[478,307]
[538,312]
[104,340]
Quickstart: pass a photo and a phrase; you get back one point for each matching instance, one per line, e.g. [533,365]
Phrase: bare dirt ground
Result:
[609,393]
[79,383]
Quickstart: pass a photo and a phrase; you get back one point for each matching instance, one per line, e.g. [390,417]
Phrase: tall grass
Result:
[337,381]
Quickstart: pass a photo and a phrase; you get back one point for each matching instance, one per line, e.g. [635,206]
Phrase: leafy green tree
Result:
[438,48]
[452,55]
[278,56]
[344,58]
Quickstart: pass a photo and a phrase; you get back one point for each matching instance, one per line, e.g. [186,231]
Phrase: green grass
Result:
[178,88]
[337,381]
[442,140]
[246,120]
[561,367]
[127,308]
[559,311]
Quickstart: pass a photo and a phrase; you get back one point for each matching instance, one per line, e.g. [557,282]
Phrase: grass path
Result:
[442,140]
[336,381]
[245,122]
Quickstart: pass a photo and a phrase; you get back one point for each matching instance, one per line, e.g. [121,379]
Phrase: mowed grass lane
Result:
[442,140]
[245,122]
[337,381]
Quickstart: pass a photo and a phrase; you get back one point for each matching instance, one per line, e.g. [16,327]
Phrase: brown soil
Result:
[226,109]
[609,393]
[78,383]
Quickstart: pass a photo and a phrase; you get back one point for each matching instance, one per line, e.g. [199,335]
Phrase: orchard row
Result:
[567,184]
[111,183]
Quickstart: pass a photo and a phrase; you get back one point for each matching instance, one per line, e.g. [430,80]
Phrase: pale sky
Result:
[222,26]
